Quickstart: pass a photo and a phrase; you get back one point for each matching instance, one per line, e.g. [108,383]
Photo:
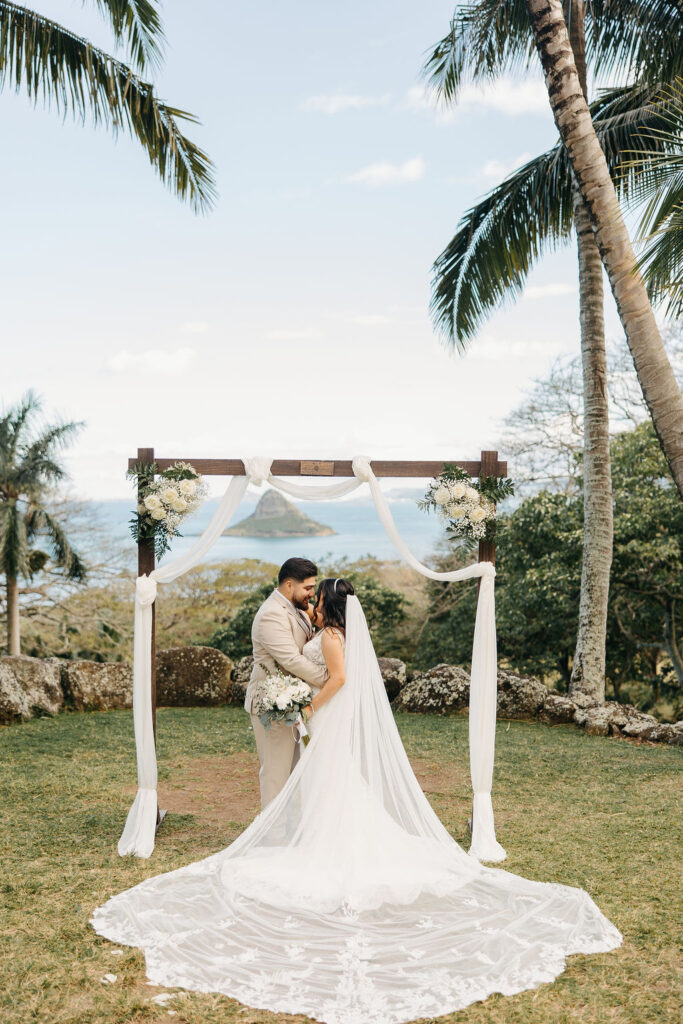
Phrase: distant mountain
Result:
[274,516]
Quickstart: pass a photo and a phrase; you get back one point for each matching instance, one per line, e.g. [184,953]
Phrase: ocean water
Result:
[358,531]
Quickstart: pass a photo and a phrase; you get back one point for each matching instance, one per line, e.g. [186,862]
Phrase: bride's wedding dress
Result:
[346,899]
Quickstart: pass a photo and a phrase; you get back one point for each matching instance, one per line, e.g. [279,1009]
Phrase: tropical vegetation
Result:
[50,63]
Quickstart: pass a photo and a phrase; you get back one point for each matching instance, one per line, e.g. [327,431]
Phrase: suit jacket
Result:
[278,634]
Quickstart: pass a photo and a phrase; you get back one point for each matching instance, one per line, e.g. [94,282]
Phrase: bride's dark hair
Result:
[334,594]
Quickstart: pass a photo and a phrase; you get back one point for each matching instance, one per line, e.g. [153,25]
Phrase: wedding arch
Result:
[143,817]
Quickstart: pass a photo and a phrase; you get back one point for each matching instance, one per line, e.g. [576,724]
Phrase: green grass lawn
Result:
[589,811]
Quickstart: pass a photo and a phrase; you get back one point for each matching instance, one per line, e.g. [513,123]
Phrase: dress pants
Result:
[278,752]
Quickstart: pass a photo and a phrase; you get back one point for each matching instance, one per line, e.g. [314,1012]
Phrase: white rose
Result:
[457,512]
[458,490]
[472,494]
[187,487]
[169,495]
[179,504]
[442,495]
[151,502]
[477,514]
[282,701]
[158,513]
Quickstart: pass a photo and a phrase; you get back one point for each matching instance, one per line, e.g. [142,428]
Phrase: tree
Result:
[647,582]
[539,548]
[28,467]
[48,61]
[501,237]
[574,123]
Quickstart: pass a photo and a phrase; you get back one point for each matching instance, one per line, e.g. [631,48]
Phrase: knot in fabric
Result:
[361,468]
[257,469]
[145,590]
[488,570]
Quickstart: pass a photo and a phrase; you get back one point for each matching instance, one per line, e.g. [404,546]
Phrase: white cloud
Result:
[370,319]
[506,96]
[543,291]
[196,326]
[492,348]
[496,170]
[301,334]
[390,174]
[339,102]
[153,360]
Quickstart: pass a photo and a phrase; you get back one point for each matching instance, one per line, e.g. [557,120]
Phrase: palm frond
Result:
[39,522]
[638,38]
[49,62]
[489,258]
[658,186]
[14,549]
[137,25]
[13,425]
[498,241]
[486,38]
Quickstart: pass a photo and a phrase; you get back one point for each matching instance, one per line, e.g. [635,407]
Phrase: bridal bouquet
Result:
[281,698]
[166,498]
[468,506]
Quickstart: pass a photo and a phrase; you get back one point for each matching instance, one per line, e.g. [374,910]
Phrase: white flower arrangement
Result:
[167,499]
[280,698]
[468,507]
[464,507]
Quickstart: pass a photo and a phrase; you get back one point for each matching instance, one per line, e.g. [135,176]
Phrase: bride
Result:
[346,899]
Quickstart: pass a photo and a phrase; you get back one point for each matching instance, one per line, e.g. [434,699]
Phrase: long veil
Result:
[346,899]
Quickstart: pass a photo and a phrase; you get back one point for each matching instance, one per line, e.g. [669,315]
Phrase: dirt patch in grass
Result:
[217,790]
[225,789]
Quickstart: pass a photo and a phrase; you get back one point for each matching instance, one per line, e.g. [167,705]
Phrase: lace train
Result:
[390,965]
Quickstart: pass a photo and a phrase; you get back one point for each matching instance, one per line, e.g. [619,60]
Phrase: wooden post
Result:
[145,567]
[489,467]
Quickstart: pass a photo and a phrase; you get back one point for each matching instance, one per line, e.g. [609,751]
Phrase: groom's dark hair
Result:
[298,569]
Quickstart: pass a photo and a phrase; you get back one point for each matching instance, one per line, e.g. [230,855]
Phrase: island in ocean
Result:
[274,516]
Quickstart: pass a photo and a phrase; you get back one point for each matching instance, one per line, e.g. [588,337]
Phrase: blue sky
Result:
[293,319]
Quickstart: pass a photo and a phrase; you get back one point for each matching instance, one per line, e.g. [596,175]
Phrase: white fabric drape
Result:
[138,834]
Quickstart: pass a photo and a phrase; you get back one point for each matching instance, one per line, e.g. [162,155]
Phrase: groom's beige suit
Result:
[278,634]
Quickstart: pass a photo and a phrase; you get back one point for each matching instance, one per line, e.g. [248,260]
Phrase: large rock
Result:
[97,686]
[192,676]
[394,675]
[557,707]
[519,696]
[442,690]
[29,687]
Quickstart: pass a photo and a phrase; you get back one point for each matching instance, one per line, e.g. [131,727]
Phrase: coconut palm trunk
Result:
[588,669]
[13,641]
[573,120]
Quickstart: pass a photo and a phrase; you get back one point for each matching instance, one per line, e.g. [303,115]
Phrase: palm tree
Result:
[28,467]
[573,120]
[49,62]
[498,240]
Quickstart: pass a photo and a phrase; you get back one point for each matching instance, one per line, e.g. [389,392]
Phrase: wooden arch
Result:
[487,465]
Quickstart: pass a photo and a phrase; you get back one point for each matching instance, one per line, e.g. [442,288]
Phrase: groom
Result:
[280,629]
